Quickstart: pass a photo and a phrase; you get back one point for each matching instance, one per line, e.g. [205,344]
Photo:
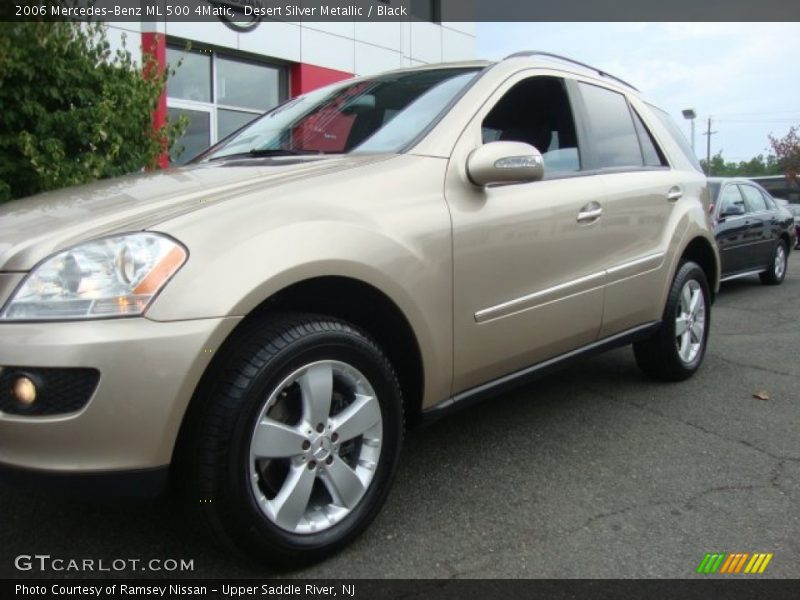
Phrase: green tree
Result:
[73,111]
[756,166]
[787,149]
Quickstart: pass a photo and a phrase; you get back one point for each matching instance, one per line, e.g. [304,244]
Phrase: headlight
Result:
[110,277]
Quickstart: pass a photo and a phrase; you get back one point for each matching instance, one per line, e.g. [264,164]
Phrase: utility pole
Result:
[708,133]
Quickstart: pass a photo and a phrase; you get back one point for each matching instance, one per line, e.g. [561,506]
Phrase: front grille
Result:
[58,391]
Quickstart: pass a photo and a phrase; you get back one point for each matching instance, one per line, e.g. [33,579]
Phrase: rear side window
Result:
[753,198]
[653,157]
[768,199]
[613,133]
[678,136]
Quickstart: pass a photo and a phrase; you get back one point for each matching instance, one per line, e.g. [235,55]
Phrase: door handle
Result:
[590,212]
[674,194]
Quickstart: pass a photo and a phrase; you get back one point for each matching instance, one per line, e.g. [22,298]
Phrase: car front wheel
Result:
[677,349]
[298,444]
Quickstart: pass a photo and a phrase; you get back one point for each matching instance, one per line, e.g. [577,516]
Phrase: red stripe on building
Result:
[306,78]
[155,45]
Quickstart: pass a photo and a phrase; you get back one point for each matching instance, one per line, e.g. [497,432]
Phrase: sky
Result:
[745,76]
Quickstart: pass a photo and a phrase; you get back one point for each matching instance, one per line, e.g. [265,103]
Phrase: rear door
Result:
[758,226]
[641,193]
[732,231]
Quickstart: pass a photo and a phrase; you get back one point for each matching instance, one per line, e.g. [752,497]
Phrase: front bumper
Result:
[148,373]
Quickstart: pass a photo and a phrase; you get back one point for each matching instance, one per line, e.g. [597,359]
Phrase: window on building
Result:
[218,94]
[426,10]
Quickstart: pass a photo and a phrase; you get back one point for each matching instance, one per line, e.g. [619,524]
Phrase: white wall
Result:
[360,48]
[132,35]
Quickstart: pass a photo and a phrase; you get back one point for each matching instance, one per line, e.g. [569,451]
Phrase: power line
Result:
[759,114]
[781,120]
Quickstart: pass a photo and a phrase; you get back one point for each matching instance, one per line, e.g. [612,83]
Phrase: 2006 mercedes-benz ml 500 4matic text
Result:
[260,323]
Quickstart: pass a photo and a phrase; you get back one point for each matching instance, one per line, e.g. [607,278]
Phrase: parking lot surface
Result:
[592,472]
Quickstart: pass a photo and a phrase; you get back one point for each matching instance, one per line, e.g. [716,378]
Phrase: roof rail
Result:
[570,60]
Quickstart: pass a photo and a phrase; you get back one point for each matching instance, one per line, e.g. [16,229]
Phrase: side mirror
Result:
[732,210]
[504,162]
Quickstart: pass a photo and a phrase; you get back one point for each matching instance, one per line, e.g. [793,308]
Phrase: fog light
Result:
[24,390]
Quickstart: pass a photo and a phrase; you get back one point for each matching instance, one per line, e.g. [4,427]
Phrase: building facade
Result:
[225,75]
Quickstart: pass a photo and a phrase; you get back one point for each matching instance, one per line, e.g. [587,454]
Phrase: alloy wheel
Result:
[690,321]
[780,262]
[315,447]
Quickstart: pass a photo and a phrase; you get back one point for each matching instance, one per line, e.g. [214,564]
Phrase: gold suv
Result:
[259,324]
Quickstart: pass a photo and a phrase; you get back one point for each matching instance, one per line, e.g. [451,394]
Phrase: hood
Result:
[31,229]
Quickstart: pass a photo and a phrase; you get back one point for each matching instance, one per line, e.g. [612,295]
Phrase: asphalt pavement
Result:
[592,472]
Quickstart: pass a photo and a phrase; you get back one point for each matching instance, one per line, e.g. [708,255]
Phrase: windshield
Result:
[381,114]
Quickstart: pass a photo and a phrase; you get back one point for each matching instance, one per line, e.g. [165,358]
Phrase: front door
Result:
[528,280]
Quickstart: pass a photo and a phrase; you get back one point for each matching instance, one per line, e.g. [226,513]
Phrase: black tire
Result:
[220,471]
[773,275]
[659,356]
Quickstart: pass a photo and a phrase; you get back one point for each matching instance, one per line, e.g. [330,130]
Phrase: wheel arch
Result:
[700,251]
[787,240]
[345,298]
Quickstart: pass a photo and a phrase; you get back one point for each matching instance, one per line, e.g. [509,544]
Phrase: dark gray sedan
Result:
[753,233]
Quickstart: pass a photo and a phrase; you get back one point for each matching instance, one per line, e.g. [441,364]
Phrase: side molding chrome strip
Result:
[529,301]
[739,275]
[540,297]
[637,262]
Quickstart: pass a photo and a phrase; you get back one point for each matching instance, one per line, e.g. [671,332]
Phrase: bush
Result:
[73,111]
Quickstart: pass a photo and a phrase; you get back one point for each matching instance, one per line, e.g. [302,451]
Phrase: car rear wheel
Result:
[677,349]
[298,444]
[776,271]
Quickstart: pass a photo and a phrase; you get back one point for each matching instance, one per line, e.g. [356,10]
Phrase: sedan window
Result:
[753,199]
[768,199]
[730,199]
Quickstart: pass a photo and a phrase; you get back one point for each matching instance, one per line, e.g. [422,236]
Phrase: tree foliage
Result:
[787,149]
[73,111]
[756,166]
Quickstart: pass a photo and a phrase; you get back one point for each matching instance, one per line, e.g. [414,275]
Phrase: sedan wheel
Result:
[776,271]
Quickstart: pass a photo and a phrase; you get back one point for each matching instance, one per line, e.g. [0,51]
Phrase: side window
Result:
[678,137]
[768,199]
[730,197]
[613,133]
[537,111]
[753,198]
[653,157]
